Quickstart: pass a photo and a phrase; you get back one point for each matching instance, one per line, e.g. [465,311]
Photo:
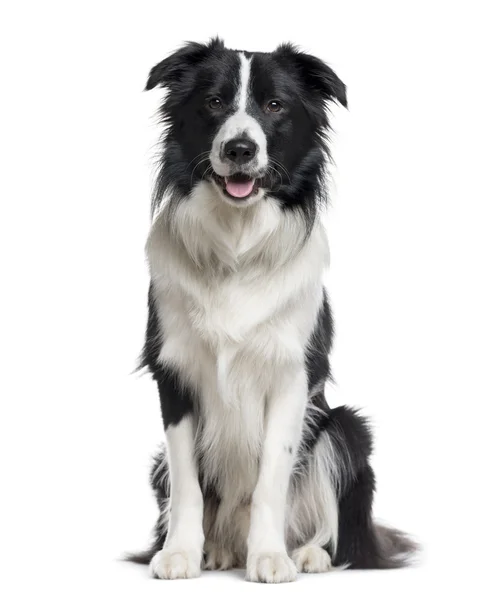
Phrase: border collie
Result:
[258,471]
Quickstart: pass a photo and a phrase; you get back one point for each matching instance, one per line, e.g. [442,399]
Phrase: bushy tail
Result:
[362,544]
[159,480]
[145,557]
[395,549]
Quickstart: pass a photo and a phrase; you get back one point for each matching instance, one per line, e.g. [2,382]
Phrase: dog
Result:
[257,472]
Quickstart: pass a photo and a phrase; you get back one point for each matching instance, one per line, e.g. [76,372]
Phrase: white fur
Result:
[182,552]
[238,293]
[240,123]
[311,559]
[313,516]
[270,567]
[283,425]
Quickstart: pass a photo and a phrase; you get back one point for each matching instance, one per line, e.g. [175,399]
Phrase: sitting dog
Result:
[258,471]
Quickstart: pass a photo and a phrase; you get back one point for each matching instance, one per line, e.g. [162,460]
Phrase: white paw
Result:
[176,564]
[312,559]
[217,557]
[270,567]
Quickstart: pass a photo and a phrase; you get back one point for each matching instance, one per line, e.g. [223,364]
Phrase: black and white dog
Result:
[258,471]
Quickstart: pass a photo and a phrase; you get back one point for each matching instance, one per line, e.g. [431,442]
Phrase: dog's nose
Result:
[240,150]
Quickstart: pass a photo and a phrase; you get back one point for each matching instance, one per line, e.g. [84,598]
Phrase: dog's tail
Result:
[145,557]
[394,548]
[362,543]
[159,480]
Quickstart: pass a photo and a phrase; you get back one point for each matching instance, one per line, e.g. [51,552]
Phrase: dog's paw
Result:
[175,564]
[270,567]
[311,559]
[218,558]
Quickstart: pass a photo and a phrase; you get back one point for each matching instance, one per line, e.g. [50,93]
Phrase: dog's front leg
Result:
[183,549]
[268,560]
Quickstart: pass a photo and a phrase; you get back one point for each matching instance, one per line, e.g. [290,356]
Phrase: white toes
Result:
[312,559]
[175,564]
[270,567]
[219,558]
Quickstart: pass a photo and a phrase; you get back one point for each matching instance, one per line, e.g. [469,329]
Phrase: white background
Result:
[412,281]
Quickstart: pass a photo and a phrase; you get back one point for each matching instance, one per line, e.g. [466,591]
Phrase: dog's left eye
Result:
[274,106]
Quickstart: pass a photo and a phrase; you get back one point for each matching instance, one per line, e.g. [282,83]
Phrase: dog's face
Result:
[249,123]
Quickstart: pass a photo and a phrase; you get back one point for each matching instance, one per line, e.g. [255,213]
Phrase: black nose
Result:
[240,150]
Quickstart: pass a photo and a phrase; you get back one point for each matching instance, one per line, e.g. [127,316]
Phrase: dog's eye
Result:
[274,106]
[215,103]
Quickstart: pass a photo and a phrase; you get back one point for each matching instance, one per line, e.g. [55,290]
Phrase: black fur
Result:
[319,347]
[298,146]
[176,399]
[362,543]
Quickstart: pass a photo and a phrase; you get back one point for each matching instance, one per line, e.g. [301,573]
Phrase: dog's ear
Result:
[315,73]
[177,65]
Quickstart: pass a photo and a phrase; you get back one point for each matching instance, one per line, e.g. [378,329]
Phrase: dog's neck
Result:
[215,236]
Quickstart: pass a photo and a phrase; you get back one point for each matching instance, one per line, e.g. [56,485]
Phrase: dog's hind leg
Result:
[332,496]
[311,559]
[217,554]
[362,544]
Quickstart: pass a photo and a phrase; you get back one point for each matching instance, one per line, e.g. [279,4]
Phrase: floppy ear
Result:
[316,74]
[177,65]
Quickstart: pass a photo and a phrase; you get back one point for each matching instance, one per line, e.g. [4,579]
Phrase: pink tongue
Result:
[240,189]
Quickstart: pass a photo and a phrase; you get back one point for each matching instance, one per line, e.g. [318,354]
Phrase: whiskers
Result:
[280,171]
[276,173]
[208,172]
[197,161]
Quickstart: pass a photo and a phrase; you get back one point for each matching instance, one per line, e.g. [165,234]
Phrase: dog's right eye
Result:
[215,103]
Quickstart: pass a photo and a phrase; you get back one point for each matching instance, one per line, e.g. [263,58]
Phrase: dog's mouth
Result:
[238,186]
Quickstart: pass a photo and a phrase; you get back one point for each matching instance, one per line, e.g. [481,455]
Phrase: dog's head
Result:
[249,123]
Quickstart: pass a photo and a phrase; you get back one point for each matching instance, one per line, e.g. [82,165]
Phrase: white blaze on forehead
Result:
[244,82]
[240,124]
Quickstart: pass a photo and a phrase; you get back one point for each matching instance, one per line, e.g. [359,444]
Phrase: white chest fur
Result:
[237,292]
